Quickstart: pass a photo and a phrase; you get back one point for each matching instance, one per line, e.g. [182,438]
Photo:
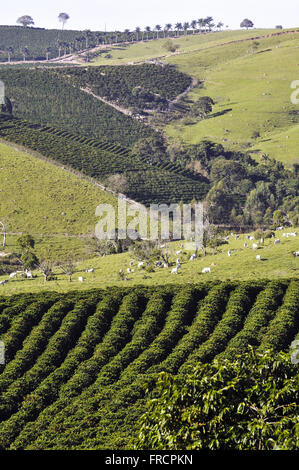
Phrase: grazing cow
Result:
[193,257]
[29,274]
[245,245]
[3,282]
[13,275]
[254,246]
[131,263]
[237,237]
[80,279]
[258,257]
[206,270]
[229,253]
[178,252]
[141,264]
[120,271]
[295,253]
[276,242]
[91,270]
[251,238]
[175,270]
[128,271]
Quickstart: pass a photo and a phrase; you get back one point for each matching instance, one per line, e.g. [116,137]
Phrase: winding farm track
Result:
[74,59]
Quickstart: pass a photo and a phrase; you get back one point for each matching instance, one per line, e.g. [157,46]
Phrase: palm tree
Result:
[24,51]
[10,51]
[178,27]
[98,38]
[87,36]
[126,34]
[59,47]
[48,51]
[137,31]
[148,30]
[186,26]
[117,33]
[220,25]
[208,21]
[168,27]
[201,23]
[158,28]
[194,25]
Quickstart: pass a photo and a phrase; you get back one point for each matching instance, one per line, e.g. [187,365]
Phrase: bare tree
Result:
[46,267]
[68,267]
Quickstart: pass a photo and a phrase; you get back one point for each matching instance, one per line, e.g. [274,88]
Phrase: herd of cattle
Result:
[160,264]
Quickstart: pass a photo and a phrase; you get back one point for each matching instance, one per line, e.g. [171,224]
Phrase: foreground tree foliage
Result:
[249,403]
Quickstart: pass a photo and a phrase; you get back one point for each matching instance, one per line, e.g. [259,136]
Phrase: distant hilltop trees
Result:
[246,23]
[25,20]
[63,18]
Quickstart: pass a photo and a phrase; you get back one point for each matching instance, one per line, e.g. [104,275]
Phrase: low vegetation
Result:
[81,362]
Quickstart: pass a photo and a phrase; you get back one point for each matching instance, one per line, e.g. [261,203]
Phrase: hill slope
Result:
[77,365]
[34,194]
[248,74]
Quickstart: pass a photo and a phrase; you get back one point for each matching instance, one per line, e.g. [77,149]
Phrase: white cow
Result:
[91,270]
[229,253]
[175,270]
[178,252]
[295,253]
[80,279]
[255,246]
[13,275]
[3,282]
[206,270]
[258,257]
[193,257]
[276,242]
[245,245]
[141,264]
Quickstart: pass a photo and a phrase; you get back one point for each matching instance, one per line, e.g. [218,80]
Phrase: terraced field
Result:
[165,182]
[77,365]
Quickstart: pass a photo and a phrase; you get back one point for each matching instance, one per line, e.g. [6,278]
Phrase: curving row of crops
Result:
[117,83]
[99,159]
[78,364]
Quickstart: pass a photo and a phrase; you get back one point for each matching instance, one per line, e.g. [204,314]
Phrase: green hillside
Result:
[249,77]
[55,206]
[77,365]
